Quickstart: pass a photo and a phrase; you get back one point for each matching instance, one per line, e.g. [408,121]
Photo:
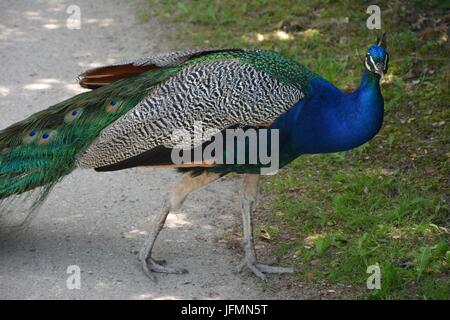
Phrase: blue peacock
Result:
[128,119]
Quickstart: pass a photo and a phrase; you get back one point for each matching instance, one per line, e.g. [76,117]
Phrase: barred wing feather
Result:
[217,93]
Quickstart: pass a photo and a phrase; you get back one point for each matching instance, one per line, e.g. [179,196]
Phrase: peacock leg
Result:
[248,195]
[173,201]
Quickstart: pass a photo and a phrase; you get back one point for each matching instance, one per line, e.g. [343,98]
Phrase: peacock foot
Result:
[151,265]
[260,269]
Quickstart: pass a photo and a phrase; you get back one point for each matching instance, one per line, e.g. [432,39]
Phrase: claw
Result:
[156,267]
[274,269]
[148,272]
[253,268]
[260,269]
[150,265]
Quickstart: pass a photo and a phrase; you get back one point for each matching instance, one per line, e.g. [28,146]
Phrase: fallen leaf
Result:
[265,235]
[279,214]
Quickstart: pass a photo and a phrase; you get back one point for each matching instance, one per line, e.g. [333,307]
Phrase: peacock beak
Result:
[379,68]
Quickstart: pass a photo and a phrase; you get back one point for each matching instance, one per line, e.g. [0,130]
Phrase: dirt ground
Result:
[96,220]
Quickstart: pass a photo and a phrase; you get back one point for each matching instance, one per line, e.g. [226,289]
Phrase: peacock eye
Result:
[112,106]
[30,136]
[72,115]
[47,137]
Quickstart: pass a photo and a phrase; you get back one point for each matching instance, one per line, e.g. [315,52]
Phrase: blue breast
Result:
[328,120]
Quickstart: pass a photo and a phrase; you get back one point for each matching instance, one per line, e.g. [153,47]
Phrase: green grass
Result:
[384,203]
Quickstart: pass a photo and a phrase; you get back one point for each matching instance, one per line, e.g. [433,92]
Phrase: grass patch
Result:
[383,203]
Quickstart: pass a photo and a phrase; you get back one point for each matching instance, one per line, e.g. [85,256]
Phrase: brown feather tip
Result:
[102,76]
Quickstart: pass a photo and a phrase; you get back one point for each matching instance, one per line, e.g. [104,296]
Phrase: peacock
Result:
[129,117]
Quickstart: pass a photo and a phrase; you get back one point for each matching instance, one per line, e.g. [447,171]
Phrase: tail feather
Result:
[40,150]
[36,153]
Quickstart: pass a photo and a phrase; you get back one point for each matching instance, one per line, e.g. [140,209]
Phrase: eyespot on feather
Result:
[112,105]
[73,115]
[30,136]
[47,137]
[4,150]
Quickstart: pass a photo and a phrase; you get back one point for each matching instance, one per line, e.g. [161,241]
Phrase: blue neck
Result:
[369,104]
[328,120]
[369,83]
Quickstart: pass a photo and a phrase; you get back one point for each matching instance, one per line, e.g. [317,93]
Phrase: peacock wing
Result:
[214,93]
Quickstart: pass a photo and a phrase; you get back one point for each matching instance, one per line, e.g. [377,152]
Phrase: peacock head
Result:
[377,57]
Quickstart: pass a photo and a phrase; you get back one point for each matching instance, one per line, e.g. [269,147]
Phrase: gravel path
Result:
[95,220]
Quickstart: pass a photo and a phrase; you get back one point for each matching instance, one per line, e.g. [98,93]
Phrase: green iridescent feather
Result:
[272,63]
[28,162]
